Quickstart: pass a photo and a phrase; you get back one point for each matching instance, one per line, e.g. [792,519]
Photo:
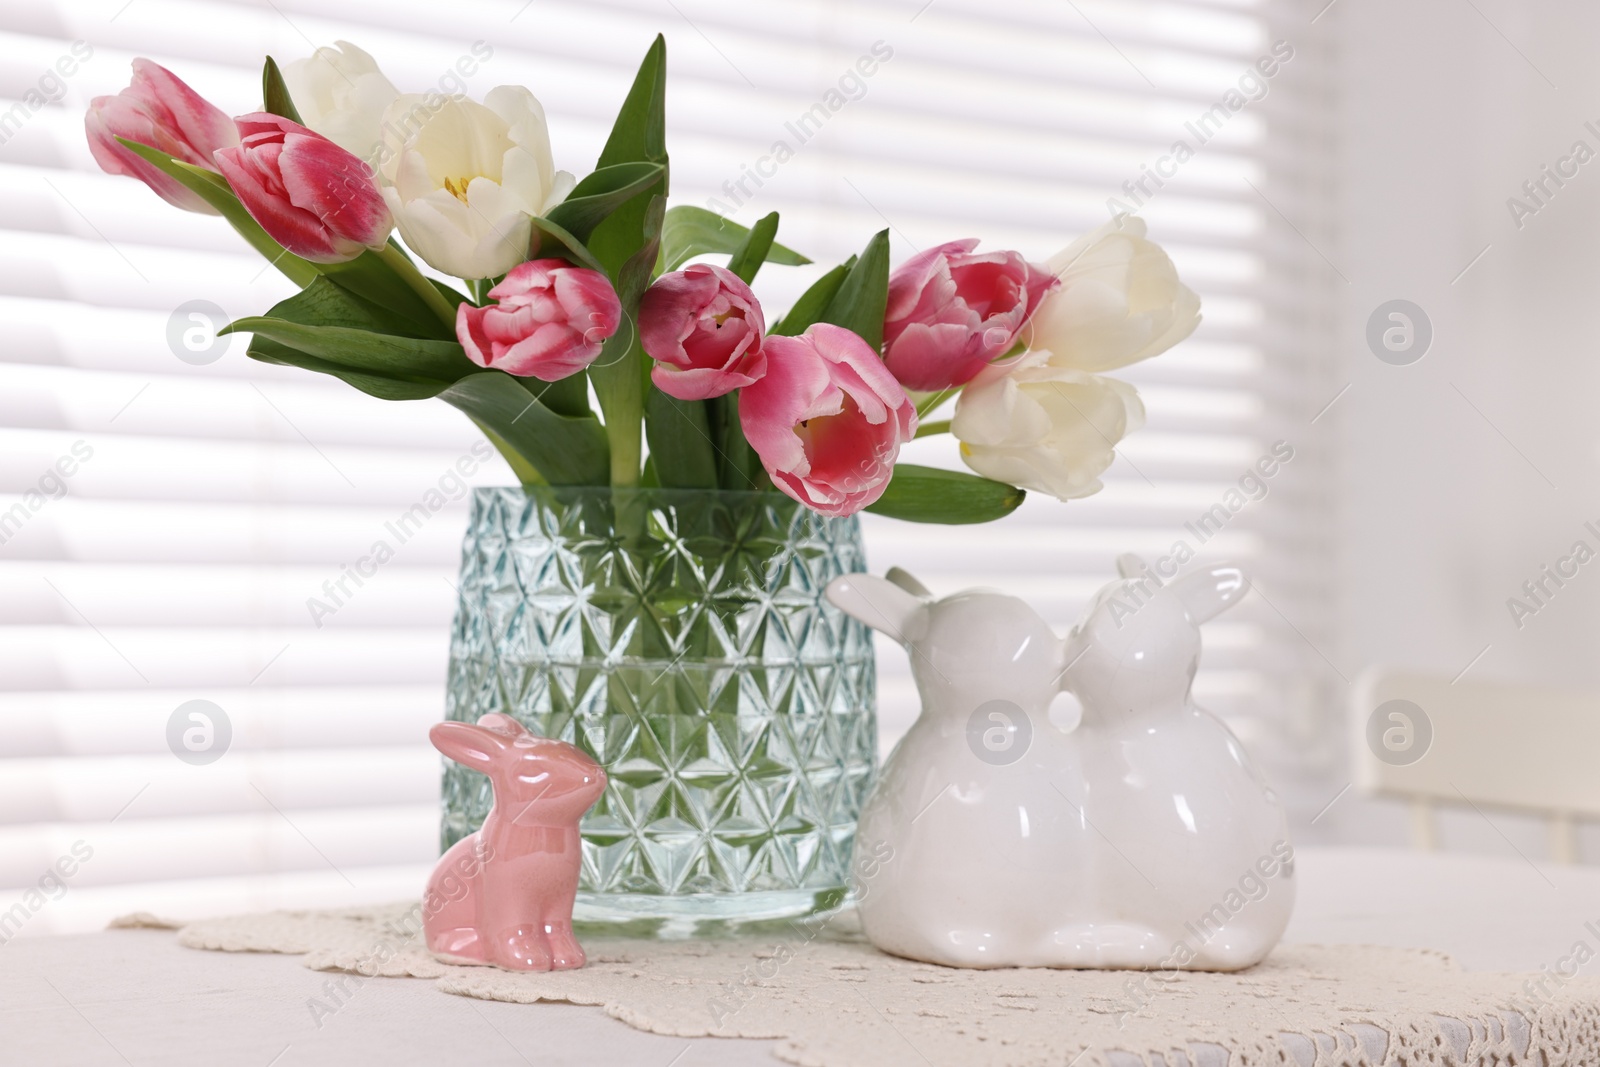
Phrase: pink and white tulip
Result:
[551,321]
[311,196]
[952,311]
[159,110]
[827,420]
[703,327]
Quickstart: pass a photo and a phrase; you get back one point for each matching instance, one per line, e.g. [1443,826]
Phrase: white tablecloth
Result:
[136,997]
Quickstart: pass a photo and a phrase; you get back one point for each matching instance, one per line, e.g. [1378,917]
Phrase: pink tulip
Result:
[703,326]
[159,110]
[551,321]
[828,419]
[311,196]
[952,311]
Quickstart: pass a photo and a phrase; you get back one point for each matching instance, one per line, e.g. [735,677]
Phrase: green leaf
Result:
[446,291]
[809,308]
[275,94]
[385,371]
[640,132]
[748,257]
[373,281]
[530,422]
[389,277]
[693,231]
[738,466]
[412,358]
[213,189]
[860,303]
[626,244]
[382,386]
[598,195]
[327,303]
[680,442]
[368,274]
[570,248]
[563,449]
[569,396]
[635,272]
[637,137]
[927,494]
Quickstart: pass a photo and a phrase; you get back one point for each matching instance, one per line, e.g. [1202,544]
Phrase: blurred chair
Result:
[1478,744]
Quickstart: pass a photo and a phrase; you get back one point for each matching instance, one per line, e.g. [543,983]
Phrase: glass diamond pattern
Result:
[681,638]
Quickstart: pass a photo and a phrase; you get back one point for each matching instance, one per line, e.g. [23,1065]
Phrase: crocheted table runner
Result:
[827,998]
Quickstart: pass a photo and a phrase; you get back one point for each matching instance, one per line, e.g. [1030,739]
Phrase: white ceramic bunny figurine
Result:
[1139,836]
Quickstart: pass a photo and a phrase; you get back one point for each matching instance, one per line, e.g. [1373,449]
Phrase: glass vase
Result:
[682,639]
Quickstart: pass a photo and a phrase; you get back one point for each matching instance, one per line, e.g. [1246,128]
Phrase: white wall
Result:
[1445,109]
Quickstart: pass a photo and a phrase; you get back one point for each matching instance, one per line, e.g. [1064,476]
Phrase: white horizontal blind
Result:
[206,504]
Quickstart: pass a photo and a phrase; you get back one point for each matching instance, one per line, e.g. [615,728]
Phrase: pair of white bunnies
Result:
[1140,836]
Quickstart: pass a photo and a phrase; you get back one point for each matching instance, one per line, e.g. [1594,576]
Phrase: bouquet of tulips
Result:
[573,289]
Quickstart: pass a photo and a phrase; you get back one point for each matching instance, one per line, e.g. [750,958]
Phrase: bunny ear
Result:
[908,581]
[879,603]
[1207,592]
[504,725]
[471,746]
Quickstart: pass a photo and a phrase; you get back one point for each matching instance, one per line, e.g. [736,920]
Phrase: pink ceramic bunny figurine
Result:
[503,895]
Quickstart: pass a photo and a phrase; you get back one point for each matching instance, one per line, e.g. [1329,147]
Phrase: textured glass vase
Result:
[680,637]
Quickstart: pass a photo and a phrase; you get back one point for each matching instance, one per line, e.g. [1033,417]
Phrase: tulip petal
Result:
[702,318]
[1120,301]
[551,321]
[1044,427]
[197,126]
[912,276]
[702,383]
[310,195]
[341,94]
[952,310]
[336,187]
[159,110]
[495,154]
[827,419]
[469,331]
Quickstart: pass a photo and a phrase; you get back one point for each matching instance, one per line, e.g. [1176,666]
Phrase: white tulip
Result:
[1040,426]
[341,94]
[1119,301]
[464,179]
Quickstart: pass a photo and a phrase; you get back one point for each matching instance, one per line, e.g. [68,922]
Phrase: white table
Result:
[136,997]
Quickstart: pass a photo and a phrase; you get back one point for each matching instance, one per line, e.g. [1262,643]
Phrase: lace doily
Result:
[829,999]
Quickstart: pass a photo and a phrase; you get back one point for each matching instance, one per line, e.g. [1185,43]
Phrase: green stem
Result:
[627,440]
[928,429]
[619,383]
[408,272]
[622,404]
[931,401]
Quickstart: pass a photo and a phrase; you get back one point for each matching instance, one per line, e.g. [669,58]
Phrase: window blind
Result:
[164,523]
